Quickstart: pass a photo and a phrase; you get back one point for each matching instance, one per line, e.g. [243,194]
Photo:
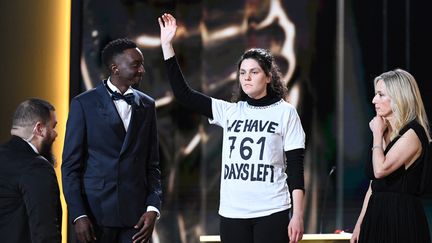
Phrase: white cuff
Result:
[154,209]
[82,216]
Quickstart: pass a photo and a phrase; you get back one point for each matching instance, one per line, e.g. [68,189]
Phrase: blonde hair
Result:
[406,101]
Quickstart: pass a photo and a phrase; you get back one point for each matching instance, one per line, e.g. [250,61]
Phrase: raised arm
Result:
[188,97]
[168,26]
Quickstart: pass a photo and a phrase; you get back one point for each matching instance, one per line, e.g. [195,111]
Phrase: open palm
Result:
[168,26]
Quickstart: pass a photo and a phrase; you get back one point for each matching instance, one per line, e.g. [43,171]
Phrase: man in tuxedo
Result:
[30,209]
[111,175]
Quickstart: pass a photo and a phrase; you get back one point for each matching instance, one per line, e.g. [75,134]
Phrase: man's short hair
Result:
[115,48]
[29,112]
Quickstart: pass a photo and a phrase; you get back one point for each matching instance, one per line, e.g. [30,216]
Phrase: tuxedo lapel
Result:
[106,108]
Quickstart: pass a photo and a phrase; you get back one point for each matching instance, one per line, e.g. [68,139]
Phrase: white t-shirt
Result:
[253,178]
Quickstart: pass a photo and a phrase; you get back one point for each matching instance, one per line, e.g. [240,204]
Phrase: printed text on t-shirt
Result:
[252,126]
[258,172]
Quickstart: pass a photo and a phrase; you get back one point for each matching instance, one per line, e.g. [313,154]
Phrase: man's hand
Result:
[84,230]
[145,227]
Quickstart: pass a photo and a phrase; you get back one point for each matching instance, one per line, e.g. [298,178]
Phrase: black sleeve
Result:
[39,187]
[295,169]
[188,97]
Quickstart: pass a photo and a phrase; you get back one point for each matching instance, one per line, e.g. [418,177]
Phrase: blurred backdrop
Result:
[329,52]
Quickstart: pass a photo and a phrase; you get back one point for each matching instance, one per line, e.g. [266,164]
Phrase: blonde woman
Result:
[392,210]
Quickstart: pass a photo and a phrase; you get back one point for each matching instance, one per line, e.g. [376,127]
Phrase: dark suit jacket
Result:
[109,174]
[30,209]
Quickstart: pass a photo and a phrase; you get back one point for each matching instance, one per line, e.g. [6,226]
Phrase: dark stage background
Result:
[329,52]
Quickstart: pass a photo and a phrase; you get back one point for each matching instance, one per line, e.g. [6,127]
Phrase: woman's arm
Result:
[188,97]
[295,172]
[356,232]
[296,226]
[168,27]
[295,169]
[403,153]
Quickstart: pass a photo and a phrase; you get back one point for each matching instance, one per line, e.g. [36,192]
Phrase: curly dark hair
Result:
[115,48]
[267,63]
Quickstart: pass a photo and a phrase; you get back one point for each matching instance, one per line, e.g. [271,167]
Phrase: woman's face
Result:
[381,100]
[253,79]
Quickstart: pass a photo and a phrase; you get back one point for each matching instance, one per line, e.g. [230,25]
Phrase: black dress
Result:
[395,212]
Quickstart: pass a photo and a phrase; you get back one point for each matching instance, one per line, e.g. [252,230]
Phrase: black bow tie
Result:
[129,98]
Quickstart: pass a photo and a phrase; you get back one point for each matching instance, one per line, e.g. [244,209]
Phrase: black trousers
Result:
[272,228]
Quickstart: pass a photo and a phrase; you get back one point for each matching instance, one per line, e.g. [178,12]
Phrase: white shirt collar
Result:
[115,89]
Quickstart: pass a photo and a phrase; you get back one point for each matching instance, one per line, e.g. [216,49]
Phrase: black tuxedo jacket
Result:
[109,174]
[30,209]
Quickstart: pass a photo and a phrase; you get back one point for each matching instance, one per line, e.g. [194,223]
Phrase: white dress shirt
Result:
[123,108]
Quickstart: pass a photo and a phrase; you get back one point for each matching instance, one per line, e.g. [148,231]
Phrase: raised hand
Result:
[168,27]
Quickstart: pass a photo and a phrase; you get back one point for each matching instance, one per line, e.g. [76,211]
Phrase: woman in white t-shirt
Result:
[263,147]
